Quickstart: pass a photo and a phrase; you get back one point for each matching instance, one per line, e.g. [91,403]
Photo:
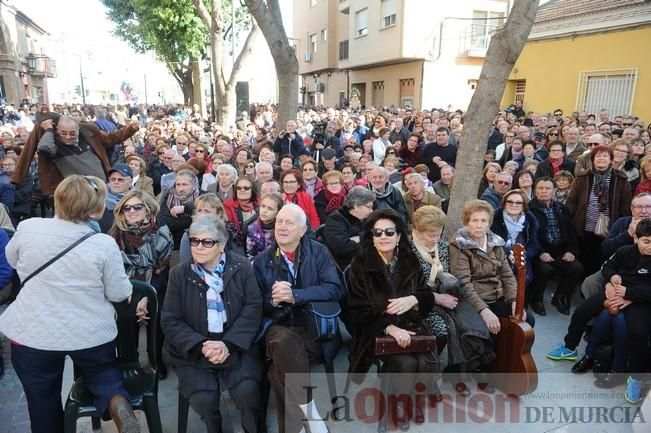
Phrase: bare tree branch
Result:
[204,14]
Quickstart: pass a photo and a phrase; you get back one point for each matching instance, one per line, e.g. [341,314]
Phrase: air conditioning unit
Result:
[308,57]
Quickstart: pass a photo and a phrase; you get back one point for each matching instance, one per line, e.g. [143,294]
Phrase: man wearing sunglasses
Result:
[118,184]
[67,147]
[494,193]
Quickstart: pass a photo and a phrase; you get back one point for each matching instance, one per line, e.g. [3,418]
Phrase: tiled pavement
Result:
[558,388]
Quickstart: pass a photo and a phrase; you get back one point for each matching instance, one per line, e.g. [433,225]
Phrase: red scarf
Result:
[246,207]
[334,200]
[556,164]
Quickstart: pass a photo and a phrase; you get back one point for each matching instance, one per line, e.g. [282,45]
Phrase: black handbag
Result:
[321,320]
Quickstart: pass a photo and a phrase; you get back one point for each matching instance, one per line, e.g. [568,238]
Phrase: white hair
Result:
[229,168]
[297,210]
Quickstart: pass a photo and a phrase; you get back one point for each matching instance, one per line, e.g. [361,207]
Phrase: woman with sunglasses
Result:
[210,318]
[201,152]
[516,225]
[145,247]
[205,204]
[388,296]
[240,210]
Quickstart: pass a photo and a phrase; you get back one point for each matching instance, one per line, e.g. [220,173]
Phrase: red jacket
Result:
[305,202]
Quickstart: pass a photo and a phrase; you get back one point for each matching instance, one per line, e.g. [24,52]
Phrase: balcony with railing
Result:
[41,65]
[475,38]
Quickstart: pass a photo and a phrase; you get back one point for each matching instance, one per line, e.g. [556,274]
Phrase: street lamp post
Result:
[81,77]
[212,86]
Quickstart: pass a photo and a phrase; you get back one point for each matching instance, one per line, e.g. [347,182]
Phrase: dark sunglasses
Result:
[627,124]
[243,188]
[135,207]
[503,182]
[207,243]
[554,134]
[391,153]
[390,232]
[514,203]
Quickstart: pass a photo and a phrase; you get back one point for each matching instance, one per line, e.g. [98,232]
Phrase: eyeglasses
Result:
[503,182]
[627,124]
[555,150]
[67,133]
[117,179]
[514,203]
[243,188]
[390,232]
[308,169]
[391,153]
[641,207]
[135,208]
[333,183]
[207,243]
[92,183]
[199,151]
[555,134]
[289,182]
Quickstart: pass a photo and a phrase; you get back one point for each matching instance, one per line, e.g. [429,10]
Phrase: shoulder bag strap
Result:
[55,258]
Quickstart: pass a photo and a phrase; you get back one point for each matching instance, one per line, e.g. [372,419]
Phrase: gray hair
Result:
[510,163]
[69,120]
[414,174]
[209,224]
[229,168]
[297,210]
[505,174]
[358,196]
[263,164]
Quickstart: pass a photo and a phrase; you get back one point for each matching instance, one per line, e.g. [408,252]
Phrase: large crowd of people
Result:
[244,231]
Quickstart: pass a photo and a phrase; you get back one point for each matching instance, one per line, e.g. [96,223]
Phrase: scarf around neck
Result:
[601,186]
[174,199]
[429,256]
[335,201]
[113,198]
[556,164]
[513,227]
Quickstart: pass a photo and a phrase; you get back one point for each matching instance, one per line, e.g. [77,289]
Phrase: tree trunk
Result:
[198,95]
[270,20]
[227,107]
[224,89]
[188,89]
[504,49]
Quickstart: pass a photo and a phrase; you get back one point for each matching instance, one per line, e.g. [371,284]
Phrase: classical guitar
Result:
[514,367]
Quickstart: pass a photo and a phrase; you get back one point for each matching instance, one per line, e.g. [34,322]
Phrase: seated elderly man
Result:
[386,195]
[292,272]
[66,147]
[494,193]
[119,183]
[416,195]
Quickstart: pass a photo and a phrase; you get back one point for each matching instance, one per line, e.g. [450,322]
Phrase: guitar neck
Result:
[522,280]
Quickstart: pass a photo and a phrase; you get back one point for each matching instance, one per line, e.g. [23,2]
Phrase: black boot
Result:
[561,303]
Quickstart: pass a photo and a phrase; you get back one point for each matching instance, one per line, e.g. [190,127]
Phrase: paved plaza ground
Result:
[563,402]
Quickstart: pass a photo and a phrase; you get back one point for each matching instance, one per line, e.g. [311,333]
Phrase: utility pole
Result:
[146,103]
[83,89]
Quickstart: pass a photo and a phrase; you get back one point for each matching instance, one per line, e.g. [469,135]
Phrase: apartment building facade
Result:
[410,53]
[24,67]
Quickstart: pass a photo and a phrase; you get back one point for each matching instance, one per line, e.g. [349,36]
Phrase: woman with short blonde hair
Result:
[80,198]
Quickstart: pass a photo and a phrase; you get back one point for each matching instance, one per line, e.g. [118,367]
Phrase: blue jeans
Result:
[601,328]
[41,373]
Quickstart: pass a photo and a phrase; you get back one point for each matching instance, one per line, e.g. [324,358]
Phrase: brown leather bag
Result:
[420,343]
